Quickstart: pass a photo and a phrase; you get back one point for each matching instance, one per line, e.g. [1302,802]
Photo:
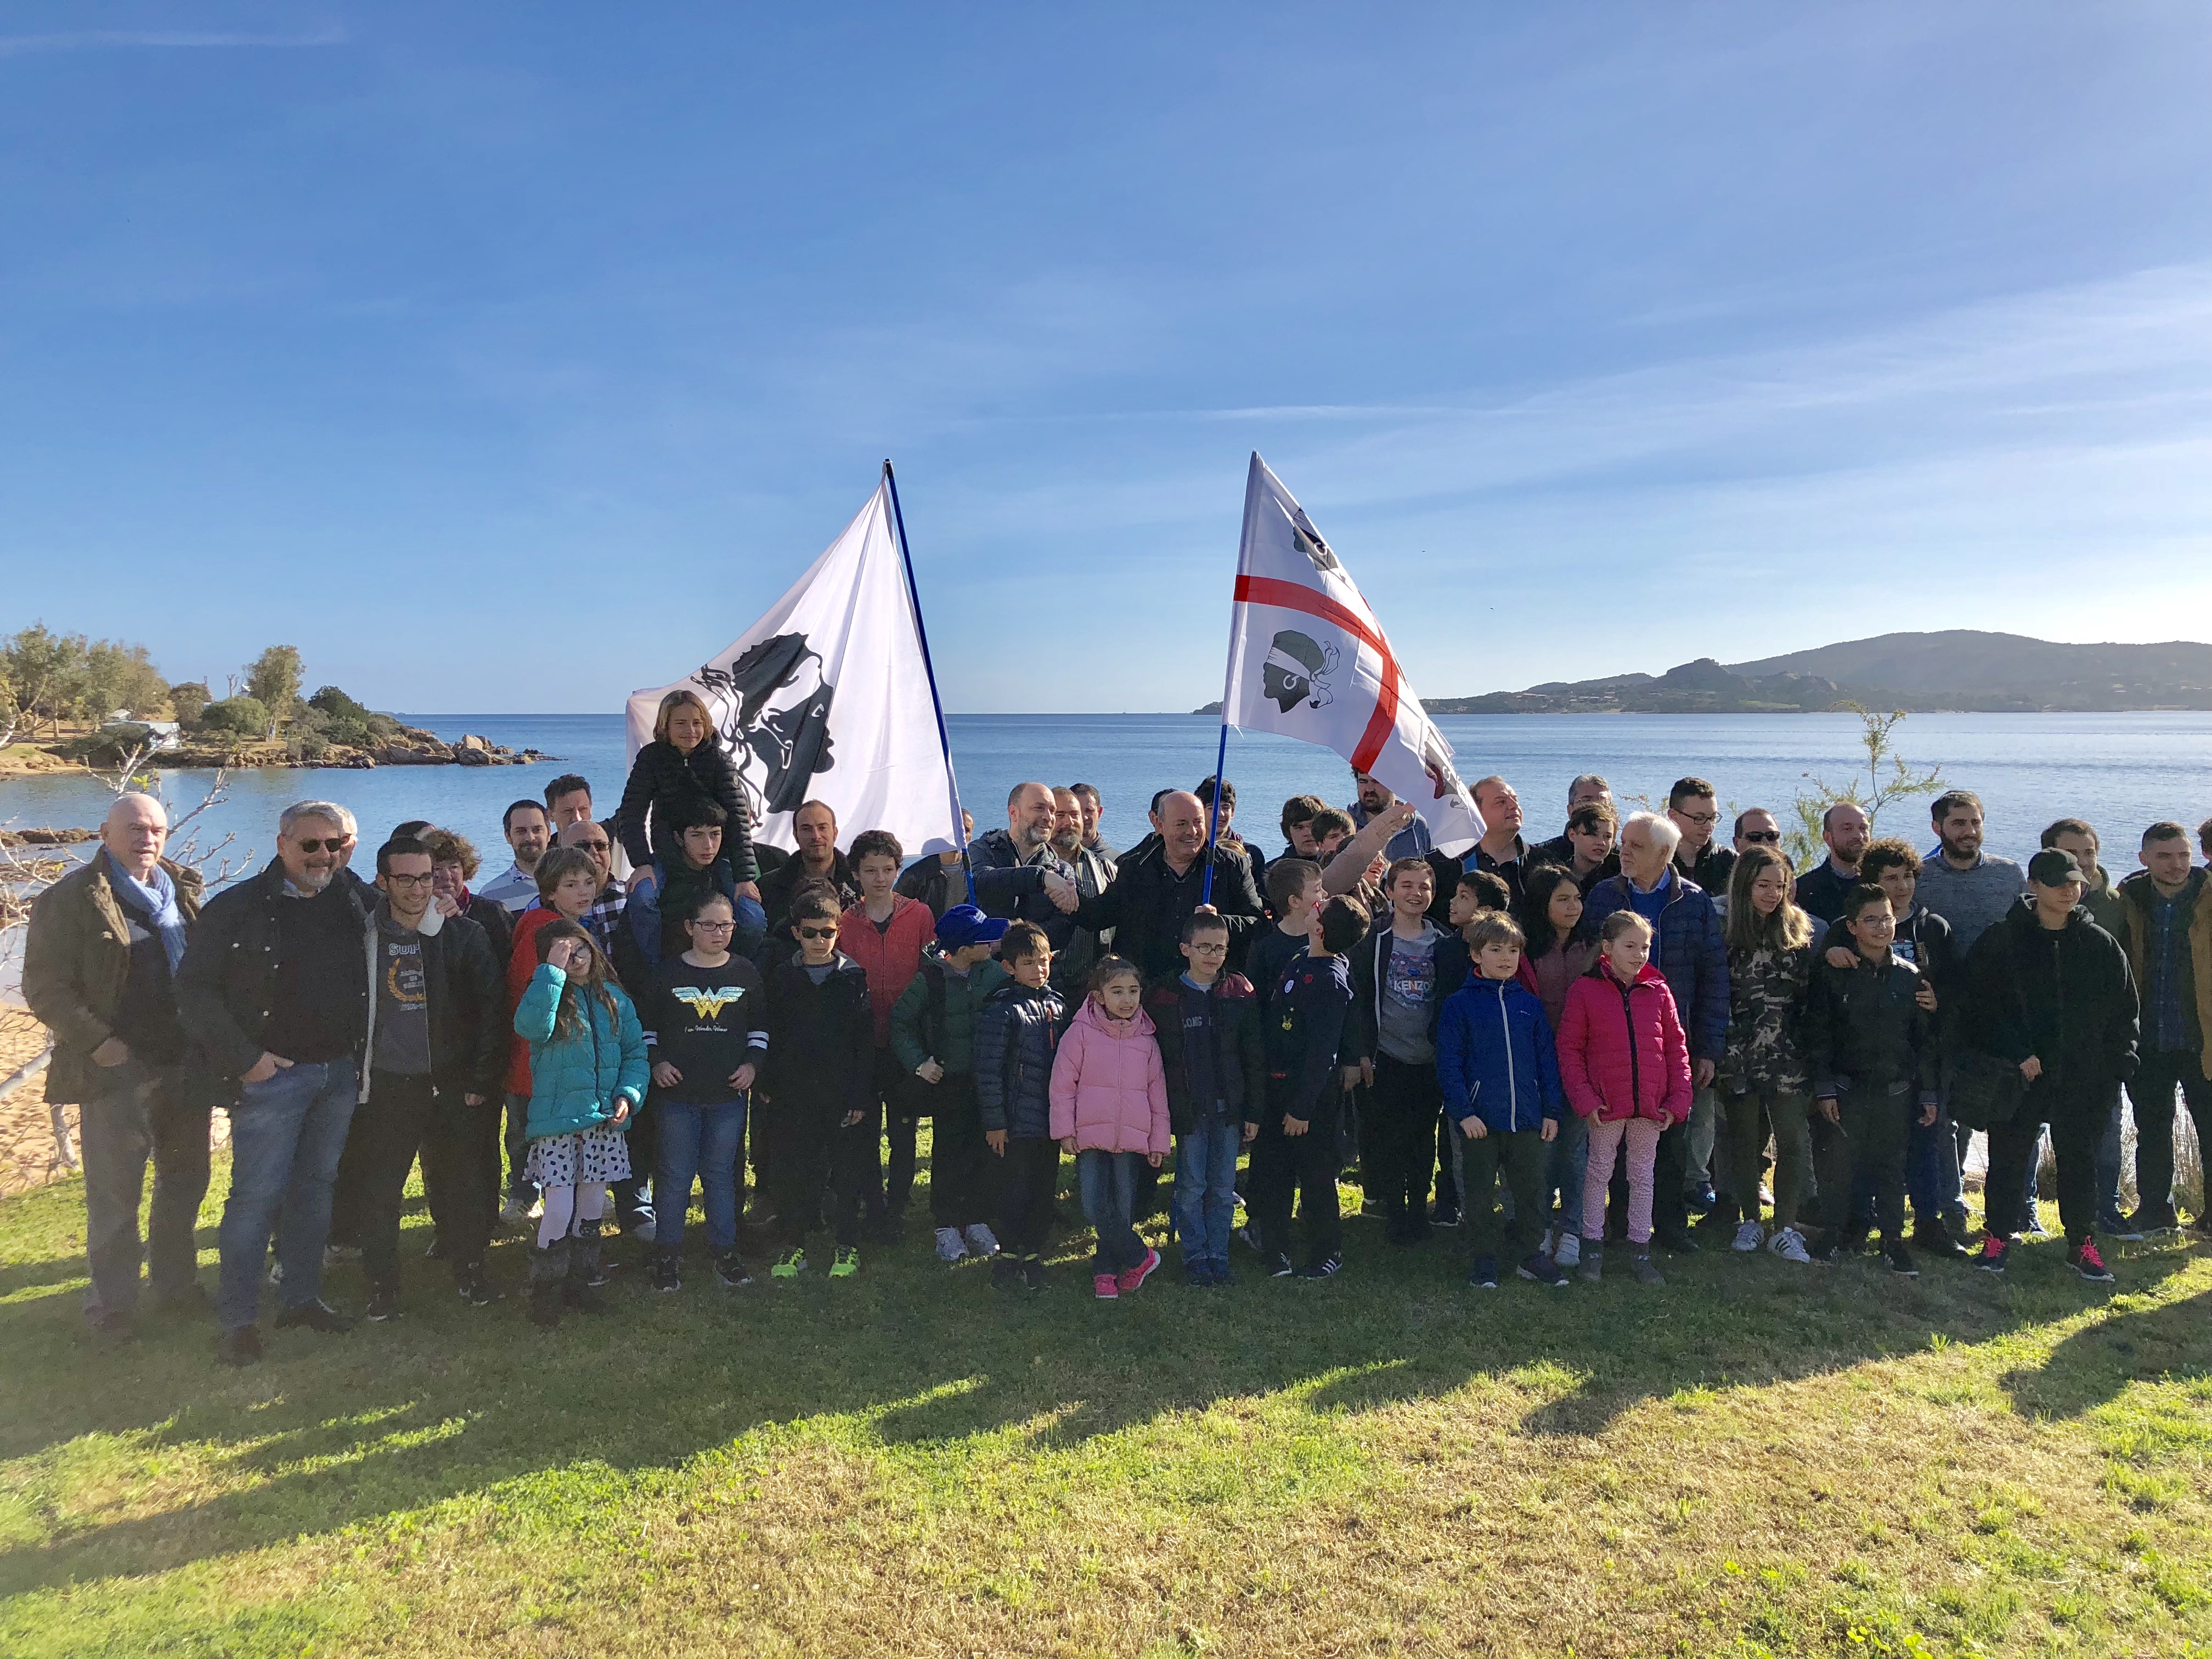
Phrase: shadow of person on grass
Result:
[2091,1367]
[332,1431]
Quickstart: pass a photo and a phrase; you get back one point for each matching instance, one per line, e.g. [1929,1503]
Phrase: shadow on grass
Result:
[447,1402]
[2092,1367]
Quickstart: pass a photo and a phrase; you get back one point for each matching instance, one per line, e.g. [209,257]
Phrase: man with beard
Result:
[529,832]
[814,827]
[1822,889]
[1968,888]
[1093,806]
[1010,866]
[1413,841]
[1094,873]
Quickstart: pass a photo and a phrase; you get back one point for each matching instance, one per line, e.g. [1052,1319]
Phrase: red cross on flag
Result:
[1308,660]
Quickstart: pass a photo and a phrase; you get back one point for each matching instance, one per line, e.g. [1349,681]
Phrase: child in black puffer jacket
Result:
[1017,1036]
[684,761]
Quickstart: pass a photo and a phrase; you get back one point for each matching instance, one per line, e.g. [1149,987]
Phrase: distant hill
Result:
[1956,669]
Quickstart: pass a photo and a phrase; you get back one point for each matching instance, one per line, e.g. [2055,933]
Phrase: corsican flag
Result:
[1308,660]
[827,698]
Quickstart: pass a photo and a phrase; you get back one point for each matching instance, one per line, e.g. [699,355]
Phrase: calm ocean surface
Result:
[2120,771]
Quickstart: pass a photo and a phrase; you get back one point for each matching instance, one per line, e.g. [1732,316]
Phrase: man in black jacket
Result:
[2051,992]
[1822,889]
[1154,890]
[273,992]
[436,1052]
[814,826]
[1010,866]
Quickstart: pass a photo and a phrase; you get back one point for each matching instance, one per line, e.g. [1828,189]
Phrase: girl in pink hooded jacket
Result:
[1109,1107]
[1625,1065]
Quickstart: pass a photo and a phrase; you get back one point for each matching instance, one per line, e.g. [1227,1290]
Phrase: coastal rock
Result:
[46,837]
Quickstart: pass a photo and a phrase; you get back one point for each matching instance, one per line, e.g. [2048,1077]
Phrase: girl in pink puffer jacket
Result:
[1109,1107]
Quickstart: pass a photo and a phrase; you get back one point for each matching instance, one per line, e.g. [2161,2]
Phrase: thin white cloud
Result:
[20,45]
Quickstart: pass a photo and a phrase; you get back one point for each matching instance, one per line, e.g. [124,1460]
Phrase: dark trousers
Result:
[1031,1175]
[1867,1144]
[1446,1165]
[386,1133]
[516,1139]
[902,1126]
[460,1176]
[815,1155]
[132,1112]
[1399,1130]
[1519,1157]
[1296,1167]
[2151,1093]
[964,1172]
[2076,1118]
[644,1132]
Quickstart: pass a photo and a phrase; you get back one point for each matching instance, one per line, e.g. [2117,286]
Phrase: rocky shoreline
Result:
[408,746]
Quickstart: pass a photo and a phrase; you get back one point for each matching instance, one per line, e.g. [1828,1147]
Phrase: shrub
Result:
[247,716]
[189,698]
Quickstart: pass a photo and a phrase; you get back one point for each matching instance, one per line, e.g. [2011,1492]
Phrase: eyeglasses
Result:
[711,926]
[1221,950]
[1763,837]
[816,932]
[315,844]
[393,879]
[1699,817]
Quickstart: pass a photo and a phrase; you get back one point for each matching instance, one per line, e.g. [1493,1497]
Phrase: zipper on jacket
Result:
[1512,1081]
[1635,1070]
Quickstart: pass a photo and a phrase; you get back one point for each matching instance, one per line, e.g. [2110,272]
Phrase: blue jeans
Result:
[698,1143]
[2108,1172]
[752,932]
[1109,1184]
[1564,1160]
[286,1137]
[1205,1188]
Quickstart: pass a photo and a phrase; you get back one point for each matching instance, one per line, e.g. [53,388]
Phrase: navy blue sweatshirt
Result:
[1305,1027]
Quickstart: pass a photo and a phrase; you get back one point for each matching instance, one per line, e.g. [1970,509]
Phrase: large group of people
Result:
[1609,1040]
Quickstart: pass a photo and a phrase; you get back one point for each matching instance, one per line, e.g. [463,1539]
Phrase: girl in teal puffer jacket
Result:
[588,1077]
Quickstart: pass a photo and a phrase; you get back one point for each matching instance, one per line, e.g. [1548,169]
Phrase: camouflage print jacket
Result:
[1766,1009]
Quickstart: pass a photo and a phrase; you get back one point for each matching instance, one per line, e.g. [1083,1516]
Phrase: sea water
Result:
[2118,771]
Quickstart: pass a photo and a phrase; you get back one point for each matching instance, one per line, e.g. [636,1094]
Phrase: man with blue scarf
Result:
[98,966]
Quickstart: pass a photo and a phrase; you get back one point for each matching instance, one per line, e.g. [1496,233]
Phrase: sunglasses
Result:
[1763,837]
[592,846]
[316,843]
[816,932]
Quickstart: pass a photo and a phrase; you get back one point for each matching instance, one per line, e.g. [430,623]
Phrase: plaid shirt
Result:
[2169,1024]
[604,919]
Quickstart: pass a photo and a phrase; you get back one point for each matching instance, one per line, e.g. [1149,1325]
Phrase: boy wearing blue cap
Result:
[932,1031]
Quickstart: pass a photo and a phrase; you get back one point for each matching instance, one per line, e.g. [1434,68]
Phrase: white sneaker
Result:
[981,1241]
[1789,1244]
[949,1246]
[1569,1251]
[1749,1236]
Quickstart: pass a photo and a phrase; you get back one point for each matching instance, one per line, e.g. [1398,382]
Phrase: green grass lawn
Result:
[1757,1459]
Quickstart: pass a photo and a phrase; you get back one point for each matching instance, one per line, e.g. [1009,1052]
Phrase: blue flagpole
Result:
[1221,754]
[936,702]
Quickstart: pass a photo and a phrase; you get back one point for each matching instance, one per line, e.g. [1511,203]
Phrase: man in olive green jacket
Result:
[98,966]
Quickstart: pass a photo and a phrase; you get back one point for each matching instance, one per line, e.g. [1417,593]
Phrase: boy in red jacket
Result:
[885,933]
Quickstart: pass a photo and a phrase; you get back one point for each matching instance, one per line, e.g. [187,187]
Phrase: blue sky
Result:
[509,357]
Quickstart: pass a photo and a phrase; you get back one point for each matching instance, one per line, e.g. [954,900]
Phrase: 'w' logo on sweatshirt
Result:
[706,1004]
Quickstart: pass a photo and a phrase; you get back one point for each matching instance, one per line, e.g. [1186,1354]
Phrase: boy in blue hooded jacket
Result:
[1500,1080]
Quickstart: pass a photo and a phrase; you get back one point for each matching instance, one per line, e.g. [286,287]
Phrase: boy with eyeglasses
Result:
[814,1091]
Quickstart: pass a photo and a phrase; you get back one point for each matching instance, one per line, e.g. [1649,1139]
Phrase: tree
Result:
[272,679]
[1887,779]
[46,672]
[189,698]
[122,677]
[247,716]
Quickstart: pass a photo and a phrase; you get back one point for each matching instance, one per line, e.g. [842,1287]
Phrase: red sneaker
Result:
[1132,1277]
[1994,1252]
[2091,1265]
[1105,1287]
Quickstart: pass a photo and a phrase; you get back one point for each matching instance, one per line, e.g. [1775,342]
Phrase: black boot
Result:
[548,1272]
[583,1269]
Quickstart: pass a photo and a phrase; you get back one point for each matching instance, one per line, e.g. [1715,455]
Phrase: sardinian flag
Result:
[1308,660]
[827,698]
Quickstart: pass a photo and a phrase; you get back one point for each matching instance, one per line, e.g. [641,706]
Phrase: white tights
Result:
[566,1205]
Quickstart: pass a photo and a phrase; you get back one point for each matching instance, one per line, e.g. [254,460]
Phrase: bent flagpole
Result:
[1308,660]
[830,697]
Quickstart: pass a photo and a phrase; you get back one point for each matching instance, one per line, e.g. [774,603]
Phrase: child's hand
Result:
[1251,1133]
[1839,957]
[1551,1131]
[1828,1109]
[666,1075]
[1293,1126]
[1473,1128]
[851,1118]
[1927,1114]
[1067,1144]
[996,1140]
[929,1071]
[742,1078]
[621,1112]
[1156,1158]
[1925,996]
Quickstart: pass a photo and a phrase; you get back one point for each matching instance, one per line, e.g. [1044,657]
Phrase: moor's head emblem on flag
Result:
[1292,673]
[779,732]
